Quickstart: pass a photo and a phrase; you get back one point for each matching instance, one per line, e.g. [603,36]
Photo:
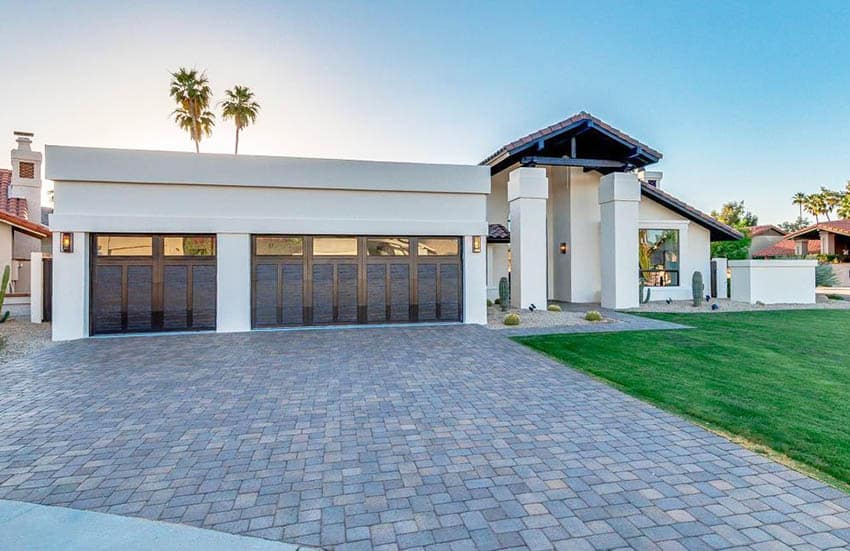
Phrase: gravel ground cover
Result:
[540,318]
[726,305]
[19,337]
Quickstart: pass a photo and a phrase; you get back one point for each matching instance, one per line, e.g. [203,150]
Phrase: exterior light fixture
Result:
[563,248]
[476,243]
[67,242]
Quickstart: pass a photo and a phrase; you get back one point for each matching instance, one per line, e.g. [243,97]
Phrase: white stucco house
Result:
[166,241]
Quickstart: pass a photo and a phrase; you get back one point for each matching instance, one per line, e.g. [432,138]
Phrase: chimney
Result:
[651,177]
[26,175]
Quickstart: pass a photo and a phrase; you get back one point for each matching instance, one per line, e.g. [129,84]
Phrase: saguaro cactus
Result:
[697,288]
[4,285]
[504,294]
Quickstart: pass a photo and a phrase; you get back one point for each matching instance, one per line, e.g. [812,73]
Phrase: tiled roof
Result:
[841,227]
[582,116]
[498,234]
[763,229]
[25,226]
[14,206]
[719,230]
[786,247]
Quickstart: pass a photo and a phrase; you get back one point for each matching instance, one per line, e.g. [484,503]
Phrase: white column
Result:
[36,287]
[474,282]
[528,190]
[70,289]
[233,282]
[720,276]
[619,200]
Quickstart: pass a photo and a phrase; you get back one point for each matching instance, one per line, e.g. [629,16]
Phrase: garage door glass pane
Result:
[189,245]
[427,295]
[203,297]
[279,246]
[175,297]
[437,247]
[335,246]
[376,292]
[265,294]
[107,299]
[399,292]
[388,246]
[139,298]
[449,291]
[124,245]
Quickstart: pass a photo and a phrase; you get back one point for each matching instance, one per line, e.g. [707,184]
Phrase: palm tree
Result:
[831,200]
[799,199]
[813,206]
[191,90]
[843,210]
[241,107]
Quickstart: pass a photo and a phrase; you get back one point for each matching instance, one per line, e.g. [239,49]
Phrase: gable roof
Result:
[719,230]
[604,135]
[841,227]
[786,247]
[765,229]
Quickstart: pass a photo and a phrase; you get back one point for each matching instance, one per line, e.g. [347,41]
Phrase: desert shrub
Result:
[553,308]
[489,303]
[511,319]
[824,276]
[593,315]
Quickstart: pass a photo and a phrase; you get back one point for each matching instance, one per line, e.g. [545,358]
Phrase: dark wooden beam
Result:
[568,161]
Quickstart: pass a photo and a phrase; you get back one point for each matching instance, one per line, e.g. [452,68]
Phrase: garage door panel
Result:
[376,292]
[139,298]
[107,305]
[323,293]
[265,294]
[203,296]
[449,292]
[427,291]
[400,292]
[175,299]
[293,294]
[346,293]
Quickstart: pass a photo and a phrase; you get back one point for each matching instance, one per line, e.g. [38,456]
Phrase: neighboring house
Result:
[764,236]
[21,227]
[790,248]
[833,241]
[162,241]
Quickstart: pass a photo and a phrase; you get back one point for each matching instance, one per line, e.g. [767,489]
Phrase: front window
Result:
[659,257]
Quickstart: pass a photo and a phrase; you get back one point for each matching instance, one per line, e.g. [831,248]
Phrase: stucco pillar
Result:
[474,282]
[70,289]
[233,282]
[528,190]
[827,242]
[36,287]
[721,266]
[619,201]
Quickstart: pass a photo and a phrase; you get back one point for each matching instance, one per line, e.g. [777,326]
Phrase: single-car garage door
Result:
[318,280]
[143,283]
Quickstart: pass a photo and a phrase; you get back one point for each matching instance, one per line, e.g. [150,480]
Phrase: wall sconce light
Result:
[476,243]
[563,248]
[67,242]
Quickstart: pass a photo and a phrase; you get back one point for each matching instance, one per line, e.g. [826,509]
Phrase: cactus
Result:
[644,297]
[4,284]
[504,294]
[511,319]
[593,315]
[553,308]
[697,288]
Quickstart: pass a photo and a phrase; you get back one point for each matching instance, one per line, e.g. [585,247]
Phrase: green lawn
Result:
[779,379]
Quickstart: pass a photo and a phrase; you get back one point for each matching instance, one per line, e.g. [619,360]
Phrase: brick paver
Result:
[446,437]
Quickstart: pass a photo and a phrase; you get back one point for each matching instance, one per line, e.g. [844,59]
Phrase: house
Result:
[832,239]
[21,229]
[790,248]
[167,241]
[764,236]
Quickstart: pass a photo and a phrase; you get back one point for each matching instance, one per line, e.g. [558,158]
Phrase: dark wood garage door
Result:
[142,283]
[318,280]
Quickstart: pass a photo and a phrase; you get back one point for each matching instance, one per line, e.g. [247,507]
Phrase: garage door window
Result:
[124,245]
[388,246]
[335,246]
[279,246]
[189,245]
[438,247]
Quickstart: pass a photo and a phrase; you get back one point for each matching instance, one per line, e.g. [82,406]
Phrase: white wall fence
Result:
[773,281]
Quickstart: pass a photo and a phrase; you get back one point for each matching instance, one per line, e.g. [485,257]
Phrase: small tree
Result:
[735,214]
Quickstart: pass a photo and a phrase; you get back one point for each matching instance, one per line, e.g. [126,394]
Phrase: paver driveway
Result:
[451,437]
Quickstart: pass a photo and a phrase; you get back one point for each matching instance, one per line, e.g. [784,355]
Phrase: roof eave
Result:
[718,230]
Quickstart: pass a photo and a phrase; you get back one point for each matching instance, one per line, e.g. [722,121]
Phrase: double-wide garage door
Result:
[142,283]
[316,280]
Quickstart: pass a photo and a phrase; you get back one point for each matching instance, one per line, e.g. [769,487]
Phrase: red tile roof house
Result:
[168,241]
[22,231]
[828,240]
[764,236]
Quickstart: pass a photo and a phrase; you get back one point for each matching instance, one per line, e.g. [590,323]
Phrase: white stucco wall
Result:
[773,281]
[694,249]
[235,197]
[585,237]
[497,267]
[5,246]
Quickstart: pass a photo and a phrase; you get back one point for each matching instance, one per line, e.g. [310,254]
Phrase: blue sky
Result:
[746,100]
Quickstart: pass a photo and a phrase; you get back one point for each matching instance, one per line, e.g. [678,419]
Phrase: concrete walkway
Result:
[43,528]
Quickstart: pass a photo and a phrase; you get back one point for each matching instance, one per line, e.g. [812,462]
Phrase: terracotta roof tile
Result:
[786,247]
[14,206]
[763,229]
[835,226]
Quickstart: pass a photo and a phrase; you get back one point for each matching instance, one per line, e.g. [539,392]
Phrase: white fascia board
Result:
[75,164]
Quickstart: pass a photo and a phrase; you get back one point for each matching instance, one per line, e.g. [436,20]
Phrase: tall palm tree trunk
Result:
[197,147]
[236,149]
